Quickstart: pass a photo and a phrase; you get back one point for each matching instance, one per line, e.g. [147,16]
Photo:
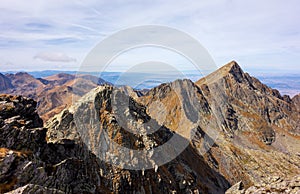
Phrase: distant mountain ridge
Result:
[53,93]
[288,84]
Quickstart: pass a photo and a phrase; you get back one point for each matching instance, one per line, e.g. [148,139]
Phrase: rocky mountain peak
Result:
[22,74]
[19,77]
[231,67]
[236,71]
[247,115]
[230,71]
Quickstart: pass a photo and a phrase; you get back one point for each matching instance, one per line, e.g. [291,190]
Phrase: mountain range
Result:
[53,93]
[237,136]
[286,83]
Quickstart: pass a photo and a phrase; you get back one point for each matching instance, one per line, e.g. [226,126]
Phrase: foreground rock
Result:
[27,159]
[272,185]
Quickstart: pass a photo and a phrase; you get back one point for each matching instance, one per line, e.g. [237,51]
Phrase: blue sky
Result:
[54,34]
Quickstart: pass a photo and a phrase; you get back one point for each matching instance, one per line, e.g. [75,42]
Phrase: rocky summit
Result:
[227,132]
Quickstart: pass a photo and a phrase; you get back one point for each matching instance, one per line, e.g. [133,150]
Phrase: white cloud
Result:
[54,57]
[229,29]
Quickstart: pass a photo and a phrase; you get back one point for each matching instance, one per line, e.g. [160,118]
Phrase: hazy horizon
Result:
[287,84]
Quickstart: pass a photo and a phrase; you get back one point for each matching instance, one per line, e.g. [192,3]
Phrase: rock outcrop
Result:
[272,185]
[29,163]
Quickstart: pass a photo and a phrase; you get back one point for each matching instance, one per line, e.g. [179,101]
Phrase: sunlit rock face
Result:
[56,158]
[251,125]
[114,126]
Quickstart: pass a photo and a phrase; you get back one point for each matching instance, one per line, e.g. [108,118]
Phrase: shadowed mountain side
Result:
[28,161]
[96,112]
[33,161]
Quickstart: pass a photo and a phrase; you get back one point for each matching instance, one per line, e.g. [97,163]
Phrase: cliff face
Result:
[30,164]
[260,127]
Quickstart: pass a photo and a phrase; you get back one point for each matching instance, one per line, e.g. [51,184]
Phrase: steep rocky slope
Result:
[30,164]
[54,159]
[248,95]
[254,130]
[110,125]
